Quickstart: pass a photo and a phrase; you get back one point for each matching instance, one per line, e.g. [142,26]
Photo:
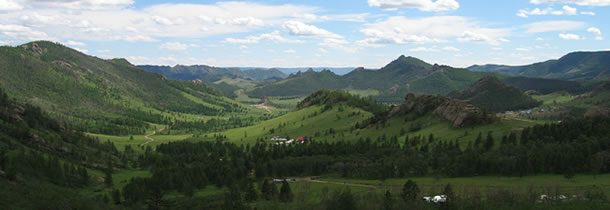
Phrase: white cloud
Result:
[75,43]
[588,13]
[451,49]
[355,17]
[142,24]
[274,36]
[9,5]
[78,4]
[522,49]
[19,32]
[569,36]
[566,10]
[290,51]
[302,29]
[176,46]
[598,33]
[577,2]
[549,26]
[434,49]
[423,5]
[403,30]
[236,21]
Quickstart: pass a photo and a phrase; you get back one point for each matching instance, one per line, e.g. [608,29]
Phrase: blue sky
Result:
[277,33]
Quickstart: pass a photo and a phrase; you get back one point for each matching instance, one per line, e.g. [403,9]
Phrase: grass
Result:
[305,122]
[554,98]
[139,141]
[312,122]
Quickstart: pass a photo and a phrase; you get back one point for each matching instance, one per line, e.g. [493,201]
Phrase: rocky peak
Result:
[460,113]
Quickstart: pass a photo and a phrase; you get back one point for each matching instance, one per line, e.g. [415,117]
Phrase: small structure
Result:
[279,138]
[435,199]
[283,180]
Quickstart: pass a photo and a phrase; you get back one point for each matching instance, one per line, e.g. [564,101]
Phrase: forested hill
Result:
[43,162]
[573,66]
[491,94]
[330,98]
[399,77]
[105,96]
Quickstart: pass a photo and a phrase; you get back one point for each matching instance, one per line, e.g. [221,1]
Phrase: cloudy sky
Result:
[277,33]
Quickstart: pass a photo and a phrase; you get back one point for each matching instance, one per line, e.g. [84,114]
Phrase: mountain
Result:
[403,75]
[329,98]
[212,74]
[101,96]
[491,94]
[573,66]
[545,86]
[300,84]
[263,74]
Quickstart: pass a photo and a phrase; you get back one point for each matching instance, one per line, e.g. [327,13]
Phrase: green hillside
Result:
[573,66]
[491,94]
[300,84]
[45,161]
[339,116]
[102,96]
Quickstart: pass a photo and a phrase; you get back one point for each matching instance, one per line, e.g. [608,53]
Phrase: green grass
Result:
[304,122]
[310,192]
[542,183]
[554,98]
[440,129]
[139,141]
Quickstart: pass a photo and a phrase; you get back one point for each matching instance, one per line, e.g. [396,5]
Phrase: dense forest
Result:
[571,147]
[43,160]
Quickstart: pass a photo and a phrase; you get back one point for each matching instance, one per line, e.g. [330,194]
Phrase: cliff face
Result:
[459,113]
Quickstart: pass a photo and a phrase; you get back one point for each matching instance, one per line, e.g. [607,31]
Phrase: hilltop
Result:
[491,94]
[573,66]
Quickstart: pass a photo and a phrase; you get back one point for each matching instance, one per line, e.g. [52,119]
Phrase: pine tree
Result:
[251,194]
[286,192]
[268,189]
[388,202]
[410,191]
[450,203]
[489,141]
[116,196]
[234,200]
[108,174]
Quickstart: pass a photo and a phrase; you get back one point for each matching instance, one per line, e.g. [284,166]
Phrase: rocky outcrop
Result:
[459,113]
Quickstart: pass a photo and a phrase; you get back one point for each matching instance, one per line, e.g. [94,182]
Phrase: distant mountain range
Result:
[403,75]
[212,74]
[573,66]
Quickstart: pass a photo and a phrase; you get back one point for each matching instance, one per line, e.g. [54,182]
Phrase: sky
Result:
[301,33]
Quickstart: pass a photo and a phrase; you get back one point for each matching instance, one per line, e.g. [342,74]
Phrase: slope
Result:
[573,66]
[491,94]
[44,164]
[103,96]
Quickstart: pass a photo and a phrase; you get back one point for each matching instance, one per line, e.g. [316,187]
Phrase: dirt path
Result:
[263,107]
[149,138]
